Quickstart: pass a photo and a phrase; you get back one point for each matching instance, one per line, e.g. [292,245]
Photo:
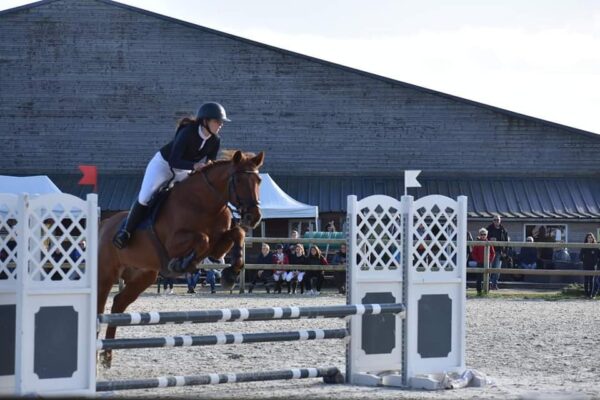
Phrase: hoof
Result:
[228,278]
[105,359]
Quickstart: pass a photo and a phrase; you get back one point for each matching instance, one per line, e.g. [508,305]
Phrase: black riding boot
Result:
[136,215]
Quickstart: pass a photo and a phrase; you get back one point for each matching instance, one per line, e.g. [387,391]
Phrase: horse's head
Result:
[244,187]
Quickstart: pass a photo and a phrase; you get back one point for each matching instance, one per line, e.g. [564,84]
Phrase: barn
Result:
[101,83]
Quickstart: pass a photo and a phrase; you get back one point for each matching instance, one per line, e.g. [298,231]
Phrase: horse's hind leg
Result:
[232,240]
[108,273]
[135,284]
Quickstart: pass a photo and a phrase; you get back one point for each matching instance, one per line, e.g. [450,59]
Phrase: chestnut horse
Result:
[193,223]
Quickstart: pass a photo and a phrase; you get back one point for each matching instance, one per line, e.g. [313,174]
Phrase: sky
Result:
[535,57]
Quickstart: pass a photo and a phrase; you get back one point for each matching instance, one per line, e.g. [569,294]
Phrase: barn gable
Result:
[92,81]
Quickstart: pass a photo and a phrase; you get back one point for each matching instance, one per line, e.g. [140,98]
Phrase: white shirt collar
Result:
[201,134]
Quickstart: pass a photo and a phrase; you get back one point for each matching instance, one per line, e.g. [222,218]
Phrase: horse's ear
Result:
[237,157]
[259,159]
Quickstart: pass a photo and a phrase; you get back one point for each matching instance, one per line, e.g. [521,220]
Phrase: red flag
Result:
[90,176]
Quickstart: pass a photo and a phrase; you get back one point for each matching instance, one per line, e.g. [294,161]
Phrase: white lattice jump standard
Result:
[406,299]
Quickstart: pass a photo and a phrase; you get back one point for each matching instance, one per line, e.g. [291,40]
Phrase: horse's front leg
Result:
[233,240]
[186,250]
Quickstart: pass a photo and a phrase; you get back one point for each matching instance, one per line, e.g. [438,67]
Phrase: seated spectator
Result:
[279,258]
[167,282]
[293,278]
[213,274]
[314,279]
[6,256]
[265,276]
[289,248]
[528,255]
[339,277]
[192,279]
[477,254]
[561,255]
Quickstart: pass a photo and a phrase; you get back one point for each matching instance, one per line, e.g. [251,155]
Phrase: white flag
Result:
[410,178]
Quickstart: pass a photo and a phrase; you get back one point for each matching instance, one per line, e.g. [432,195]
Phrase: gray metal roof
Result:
[518,198]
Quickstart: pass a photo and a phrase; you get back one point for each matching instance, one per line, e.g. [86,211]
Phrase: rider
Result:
[195,145]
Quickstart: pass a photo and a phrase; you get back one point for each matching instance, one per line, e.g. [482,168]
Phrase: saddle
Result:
[154,206]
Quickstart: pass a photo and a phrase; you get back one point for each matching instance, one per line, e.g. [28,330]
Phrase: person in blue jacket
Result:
[196,144]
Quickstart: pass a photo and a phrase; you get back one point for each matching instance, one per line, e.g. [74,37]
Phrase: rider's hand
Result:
[199,165]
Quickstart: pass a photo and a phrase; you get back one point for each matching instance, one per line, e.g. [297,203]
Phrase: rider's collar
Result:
[201,133]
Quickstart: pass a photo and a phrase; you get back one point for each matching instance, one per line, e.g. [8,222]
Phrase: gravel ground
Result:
[531,349]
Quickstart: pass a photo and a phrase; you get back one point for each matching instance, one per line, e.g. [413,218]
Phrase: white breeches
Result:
[294,274]
[279,275]
[287,276]
[157,174]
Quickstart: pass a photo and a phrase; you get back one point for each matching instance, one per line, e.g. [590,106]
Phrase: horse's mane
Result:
[225,157]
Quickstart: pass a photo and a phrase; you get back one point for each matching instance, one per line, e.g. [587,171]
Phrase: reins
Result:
[240,204]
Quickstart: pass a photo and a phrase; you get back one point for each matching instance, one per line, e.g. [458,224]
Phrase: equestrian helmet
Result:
[212,110]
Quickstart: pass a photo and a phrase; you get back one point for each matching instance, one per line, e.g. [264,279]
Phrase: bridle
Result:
[242,205]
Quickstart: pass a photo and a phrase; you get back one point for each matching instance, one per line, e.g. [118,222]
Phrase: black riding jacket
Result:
[184,150]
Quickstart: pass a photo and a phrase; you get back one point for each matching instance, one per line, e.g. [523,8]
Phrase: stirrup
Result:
[121,239]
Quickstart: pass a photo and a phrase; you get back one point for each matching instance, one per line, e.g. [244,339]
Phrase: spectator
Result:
[314,279]
[545,253]
[168,282]
[279,258]
[561,255]
[424,237]
[589,258]
[289,248]
[528,256]
[293,278]
[192,279]
[213,274]
[6,256]
[331,227]
[77,252]
[497,232]
[478,253]
[339,277]
[470,262]
[469,248]
[266,275]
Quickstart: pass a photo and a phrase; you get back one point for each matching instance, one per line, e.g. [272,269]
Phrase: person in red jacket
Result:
[477,254]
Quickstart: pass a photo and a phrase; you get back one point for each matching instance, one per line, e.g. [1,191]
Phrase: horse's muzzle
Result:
[251,218]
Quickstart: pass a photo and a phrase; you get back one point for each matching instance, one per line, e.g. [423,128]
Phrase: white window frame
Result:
[548,226]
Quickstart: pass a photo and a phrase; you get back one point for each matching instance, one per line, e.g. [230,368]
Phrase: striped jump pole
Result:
[223,338]
[329,375]
[249,314]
